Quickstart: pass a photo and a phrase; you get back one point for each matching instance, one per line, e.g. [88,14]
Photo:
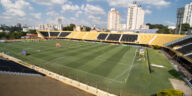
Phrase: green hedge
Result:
[170,92]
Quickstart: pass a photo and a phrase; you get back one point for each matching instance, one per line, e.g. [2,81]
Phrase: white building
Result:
[184,15]
[122,27]
[47,27]
[135,17]
[144,26]
[113,19]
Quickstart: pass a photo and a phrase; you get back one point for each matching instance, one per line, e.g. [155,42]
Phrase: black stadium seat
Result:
[45,34]
[185,49]
[102,36]
[114,37]
[55,34]
[183,42]
[129,38]
[190,56]
[10,66]
[64,34]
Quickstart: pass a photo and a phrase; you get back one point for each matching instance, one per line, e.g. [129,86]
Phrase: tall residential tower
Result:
[113,19]
[135,17]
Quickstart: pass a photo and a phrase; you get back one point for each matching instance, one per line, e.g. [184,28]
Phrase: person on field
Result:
[24,52]
[58,45]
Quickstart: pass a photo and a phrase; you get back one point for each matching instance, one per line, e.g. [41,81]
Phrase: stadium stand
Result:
[64,34]
[184,63]
[102,36]
[138,38]
[145,38]
[162,39]
[72,35]
[129,38]
[185,49]
[10,66]
[44,34]
[54,34]
[190,56]
[114,37]
[91,36]
[80,35]
[180,42]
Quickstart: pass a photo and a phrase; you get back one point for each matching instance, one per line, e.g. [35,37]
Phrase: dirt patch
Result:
[182,86]
[20,85]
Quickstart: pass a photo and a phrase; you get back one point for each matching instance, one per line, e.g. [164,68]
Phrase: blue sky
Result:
[84,12]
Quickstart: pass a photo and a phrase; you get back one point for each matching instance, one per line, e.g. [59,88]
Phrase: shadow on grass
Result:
[175,74]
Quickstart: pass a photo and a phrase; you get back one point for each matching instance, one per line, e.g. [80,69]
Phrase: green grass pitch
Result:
[113,68]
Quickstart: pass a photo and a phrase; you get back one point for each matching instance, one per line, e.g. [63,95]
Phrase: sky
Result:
[84,12]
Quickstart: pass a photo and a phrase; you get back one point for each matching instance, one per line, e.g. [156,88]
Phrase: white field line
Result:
[129,70]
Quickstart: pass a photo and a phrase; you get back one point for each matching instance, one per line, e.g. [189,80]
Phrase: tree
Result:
[162,29]
[32,31]
[69,27]
[185,27]
[88,28]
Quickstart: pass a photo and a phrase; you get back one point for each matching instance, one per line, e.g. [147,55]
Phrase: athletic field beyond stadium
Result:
[117,69]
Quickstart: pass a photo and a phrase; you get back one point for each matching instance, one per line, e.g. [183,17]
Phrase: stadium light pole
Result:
[180,28]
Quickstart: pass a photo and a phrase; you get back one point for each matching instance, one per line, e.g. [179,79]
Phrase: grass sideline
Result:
[112,68]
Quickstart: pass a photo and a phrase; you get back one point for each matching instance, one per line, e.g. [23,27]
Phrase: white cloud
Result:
[5,17]
[94,10]
[78,13]
[126,3]
[170,23]
[94,17]
[15,8]
[95,20]
[68,7]
[36,15]
[50,2]
[93,0]
[52,13]
[147,11]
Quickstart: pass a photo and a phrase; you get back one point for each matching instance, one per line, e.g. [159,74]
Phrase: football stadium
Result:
[122,64]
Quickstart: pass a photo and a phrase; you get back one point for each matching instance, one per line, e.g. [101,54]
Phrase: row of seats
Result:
[181,43]
[190,56]
[114,37]
[64,34]
[45,34]
[55,34]
[185,49]
[129,38]
[102,36]
[117,37]
[163,39]
[11,66]
[149,39]
[145,38]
